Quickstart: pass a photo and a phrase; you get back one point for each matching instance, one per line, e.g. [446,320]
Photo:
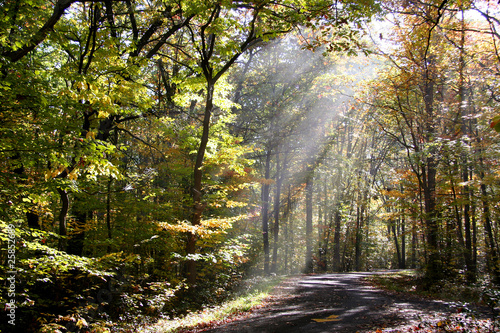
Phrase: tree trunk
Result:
[414,243]
[459,226]
[470,269]
[286,218]
[492,254]
[466,191]
[108,214]
[346,260]
[336,240]
[265,212]
[33,219]
[309,220]
[474,236]
[198,206]
[279,179]
[76,241]
[403,242]
[357,240]
[325,221]
[63,215]
[433,270]
[434,264]
[290,227]
[396,242]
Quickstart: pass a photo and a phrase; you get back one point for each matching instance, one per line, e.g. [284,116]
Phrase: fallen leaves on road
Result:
[455,323]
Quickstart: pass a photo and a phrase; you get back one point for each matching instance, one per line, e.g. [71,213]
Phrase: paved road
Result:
[332,303]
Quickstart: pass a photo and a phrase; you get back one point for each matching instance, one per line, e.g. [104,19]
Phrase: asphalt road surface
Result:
[333,303]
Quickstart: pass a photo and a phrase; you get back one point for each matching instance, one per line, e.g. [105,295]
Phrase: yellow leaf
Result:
[329,318]
[102,114]
[80,85]
[106,100]
[81,323]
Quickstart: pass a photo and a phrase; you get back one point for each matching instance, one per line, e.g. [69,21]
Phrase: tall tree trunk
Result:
[309,220]
[414,243]
[321,232]
[108,214]
[492,254]
[324,227]
[346,260]
[470,267]
[336,240]
[286,218]
[357,239]
[337,219]
[403,242]
[63,215]
[434,270]
[466,191]
[76,241]
[279,180]
[396,242]
[198,206]
[265,211]
[323,251]
[474,236]
[292,235]
[434,263]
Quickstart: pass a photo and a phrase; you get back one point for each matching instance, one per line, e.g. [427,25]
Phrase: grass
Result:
[401,281]
[208,316]
[257,291]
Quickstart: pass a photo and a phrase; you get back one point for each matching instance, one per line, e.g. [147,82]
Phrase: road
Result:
[333,303]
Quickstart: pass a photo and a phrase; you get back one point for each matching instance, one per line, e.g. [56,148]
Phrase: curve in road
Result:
[332,303]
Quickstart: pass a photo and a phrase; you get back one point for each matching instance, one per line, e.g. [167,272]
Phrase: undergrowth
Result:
[464,298]
[453,290]
[251,294]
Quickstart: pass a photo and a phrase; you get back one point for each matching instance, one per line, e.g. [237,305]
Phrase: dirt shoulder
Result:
[345,303]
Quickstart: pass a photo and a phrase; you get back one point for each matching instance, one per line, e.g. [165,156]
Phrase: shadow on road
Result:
[331,303]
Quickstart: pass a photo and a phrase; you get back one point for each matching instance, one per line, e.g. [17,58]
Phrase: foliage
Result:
[254,293]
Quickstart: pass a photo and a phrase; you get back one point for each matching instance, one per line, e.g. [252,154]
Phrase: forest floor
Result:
[349,303]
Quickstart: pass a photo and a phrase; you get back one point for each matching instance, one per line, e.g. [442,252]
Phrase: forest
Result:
[156,154]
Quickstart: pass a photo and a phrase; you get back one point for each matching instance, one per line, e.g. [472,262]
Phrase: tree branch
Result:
[41,34]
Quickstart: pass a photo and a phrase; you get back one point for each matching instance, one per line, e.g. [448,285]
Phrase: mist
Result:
[292,102]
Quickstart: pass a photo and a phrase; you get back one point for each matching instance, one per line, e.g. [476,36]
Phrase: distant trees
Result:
[430,102]
[288,101]
[403,181]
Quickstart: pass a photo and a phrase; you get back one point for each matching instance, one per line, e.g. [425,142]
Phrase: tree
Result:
[431,117]
[217,53]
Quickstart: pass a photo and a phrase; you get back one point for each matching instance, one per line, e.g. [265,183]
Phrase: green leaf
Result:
[495,123]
